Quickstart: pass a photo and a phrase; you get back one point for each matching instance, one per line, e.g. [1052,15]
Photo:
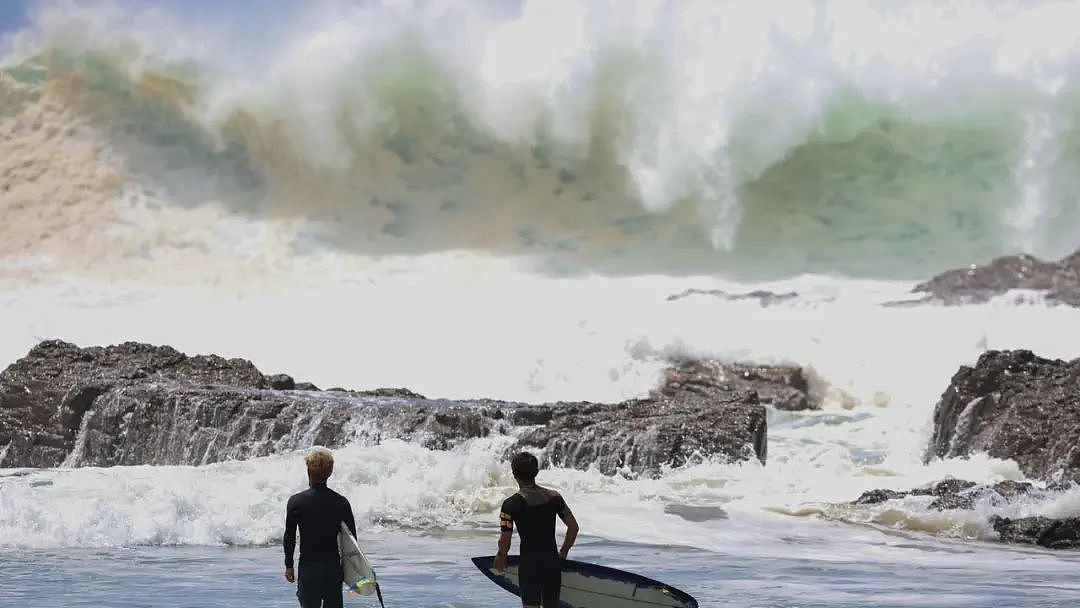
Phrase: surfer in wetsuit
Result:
[533,510]
[318,512]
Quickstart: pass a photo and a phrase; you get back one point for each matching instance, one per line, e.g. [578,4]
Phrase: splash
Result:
[873,140]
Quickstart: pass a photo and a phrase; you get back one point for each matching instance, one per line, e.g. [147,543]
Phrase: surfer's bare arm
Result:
[572,529]
[506,534]
[290,541]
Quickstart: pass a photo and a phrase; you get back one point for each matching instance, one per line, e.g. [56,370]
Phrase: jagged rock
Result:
[955,494]
[1013,404]
[45,395]
[281,382]
[646,434]
[1058,281]
[1043,531]
[1010,490]
[783,387]
[950,494]
[305,386]
[140,404]
[874,497]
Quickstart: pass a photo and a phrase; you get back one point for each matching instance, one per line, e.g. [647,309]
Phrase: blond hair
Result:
[320,463]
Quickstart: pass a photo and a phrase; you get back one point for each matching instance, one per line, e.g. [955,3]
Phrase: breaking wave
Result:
[877,140]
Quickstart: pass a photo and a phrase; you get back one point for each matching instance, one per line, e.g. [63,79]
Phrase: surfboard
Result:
[587,585]
[359,575]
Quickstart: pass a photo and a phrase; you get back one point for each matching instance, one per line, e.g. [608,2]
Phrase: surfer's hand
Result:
[289,575]
[563,553]
[500,562]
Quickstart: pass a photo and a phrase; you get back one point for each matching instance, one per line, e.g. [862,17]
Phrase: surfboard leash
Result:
[378,593]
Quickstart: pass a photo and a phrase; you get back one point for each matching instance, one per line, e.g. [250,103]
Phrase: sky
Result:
[13,14]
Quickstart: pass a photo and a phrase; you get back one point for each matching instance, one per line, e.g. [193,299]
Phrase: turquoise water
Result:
[425,571]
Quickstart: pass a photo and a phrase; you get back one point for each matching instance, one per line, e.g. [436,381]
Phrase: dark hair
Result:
[525,466]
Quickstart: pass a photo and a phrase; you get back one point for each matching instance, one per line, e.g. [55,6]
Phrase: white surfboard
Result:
[359,575]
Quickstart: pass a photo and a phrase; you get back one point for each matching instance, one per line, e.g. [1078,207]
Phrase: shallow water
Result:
[433,571]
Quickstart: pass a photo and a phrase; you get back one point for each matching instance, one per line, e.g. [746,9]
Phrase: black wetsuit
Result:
[533,511]
[318,511]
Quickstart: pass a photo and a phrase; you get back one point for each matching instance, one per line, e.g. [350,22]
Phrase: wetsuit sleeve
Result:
[291,518]
[350,522]
[562,508]
[506,517]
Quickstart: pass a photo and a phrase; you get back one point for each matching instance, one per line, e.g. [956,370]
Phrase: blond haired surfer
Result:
[318,512]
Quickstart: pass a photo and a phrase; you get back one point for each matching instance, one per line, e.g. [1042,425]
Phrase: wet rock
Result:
[1058,281]
[1010,490]
[45,396]
[874,497]
[305,386]
[531,416]
[1013,404]
[142,404]
[1042,531]
[955,494]
[646,434]
[783,387]
[281,382]
[950,494]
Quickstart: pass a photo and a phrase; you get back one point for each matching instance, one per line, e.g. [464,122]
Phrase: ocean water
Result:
[427,570]
[500,200]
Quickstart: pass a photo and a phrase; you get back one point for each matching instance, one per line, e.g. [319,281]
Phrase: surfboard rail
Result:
[675,598]
[358,573]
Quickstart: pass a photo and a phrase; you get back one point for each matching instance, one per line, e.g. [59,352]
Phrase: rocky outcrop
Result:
[1013,404]
[1058,281]
[45,396]
[281,382]
[952,494]
[784,387]
[646,434]
[956,494]
[1042,531]
[1010,405]
[140,404]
